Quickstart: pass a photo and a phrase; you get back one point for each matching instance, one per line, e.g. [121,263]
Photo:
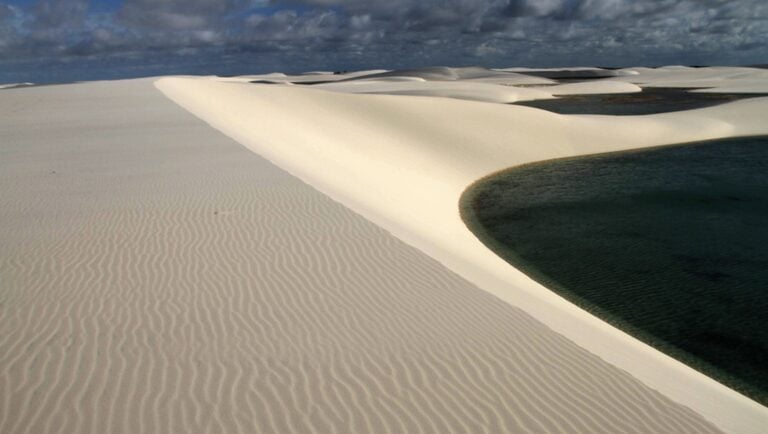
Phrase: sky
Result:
[66,40]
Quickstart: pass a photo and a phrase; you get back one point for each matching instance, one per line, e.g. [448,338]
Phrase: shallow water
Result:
[649,101]
[670,244]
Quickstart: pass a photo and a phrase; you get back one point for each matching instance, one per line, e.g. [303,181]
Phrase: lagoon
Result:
[669,244]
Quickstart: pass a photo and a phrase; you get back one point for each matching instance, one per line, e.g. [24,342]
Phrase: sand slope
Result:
[404,161]
[158,277]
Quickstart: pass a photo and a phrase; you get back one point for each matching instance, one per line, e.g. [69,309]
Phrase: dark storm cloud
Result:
[373,33]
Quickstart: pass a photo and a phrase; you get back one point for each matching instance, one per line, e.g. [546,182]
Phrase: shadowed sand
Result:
[159,277]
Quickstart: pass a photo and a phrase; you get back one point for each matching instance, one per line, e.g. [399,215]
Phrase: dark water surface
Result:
[669,244]
[649,101]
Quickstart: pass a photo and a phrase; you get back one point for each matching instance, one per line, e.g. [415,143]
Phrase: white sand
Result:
[590,87]
[472,73]
[403,162]
[459,77]
[469,90]
[281,78]
[726,79]
[12,85]
[473,84]
[158,277]
[584,72]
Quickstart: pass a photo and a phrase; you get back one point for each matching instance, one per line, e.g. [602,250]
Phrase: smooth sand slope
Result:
[156,276]
[404,161]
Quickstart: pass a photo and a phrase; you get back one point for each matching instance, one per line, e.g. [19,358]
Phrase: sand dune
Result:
[403,162]
[583,72]
[469,90]
[15,85]
[469,83]
[446,75]
[281,78]
[158,277]
[715,79]
[590,87]
[472,73]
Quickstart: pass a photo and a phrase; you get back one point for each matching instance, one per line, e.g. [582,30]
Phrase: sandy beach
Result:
[204,254]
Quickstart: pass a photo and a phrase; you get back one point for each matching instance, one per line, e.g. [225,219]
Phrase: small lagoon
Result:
[650,100]
[669,244]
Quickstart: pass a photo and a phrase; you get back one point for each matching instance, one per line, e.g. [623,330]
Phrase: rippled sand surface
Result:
[156,276]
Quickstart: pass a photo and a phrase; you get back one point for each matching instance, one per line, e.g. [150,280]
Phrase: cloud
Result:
[345,34]
[173,15]
[55,16]
[6,12]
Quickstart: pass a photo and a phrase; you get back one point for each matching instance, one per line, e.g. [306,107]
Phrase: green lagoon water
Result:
[669,244]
